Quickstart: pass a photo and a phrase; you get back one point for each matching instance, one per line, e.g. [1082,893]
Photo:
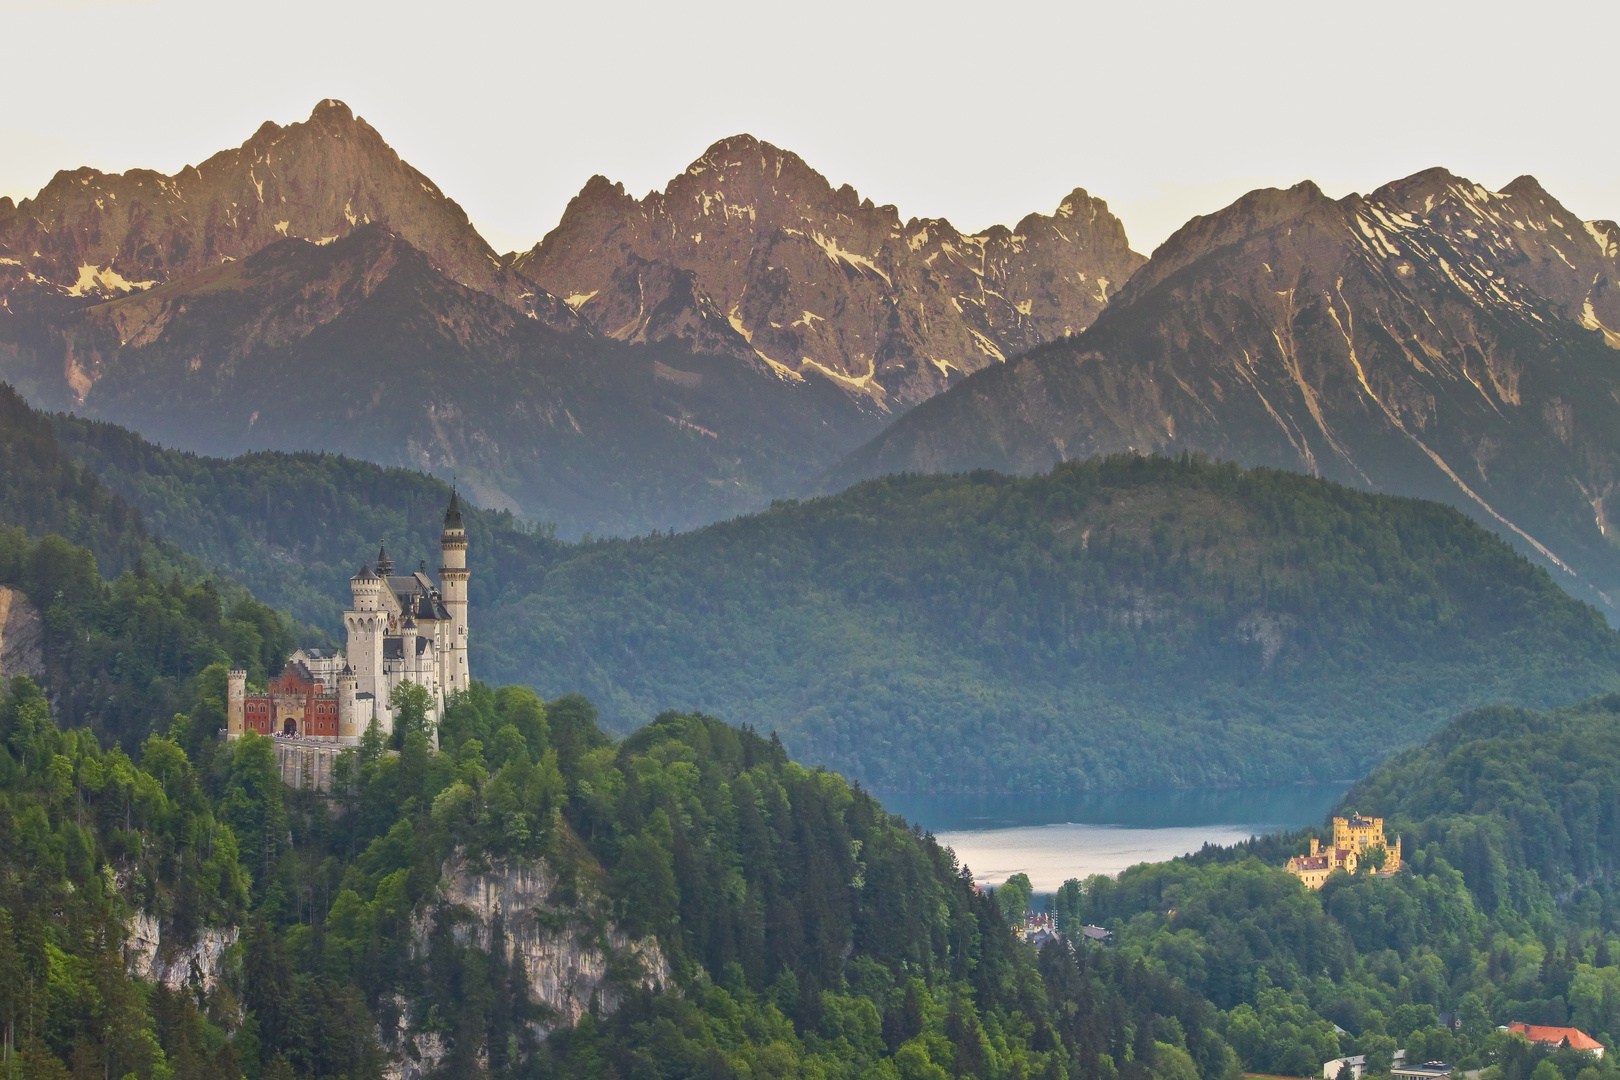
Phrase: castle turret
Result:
[407,649]
[453,576]
[235,703]
[348,724]
[366,625]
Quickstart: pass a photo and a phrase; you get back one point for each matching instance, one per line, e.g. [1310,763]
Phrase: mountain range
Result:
[753,332]
[311,290]
[1432,338]
[812,280]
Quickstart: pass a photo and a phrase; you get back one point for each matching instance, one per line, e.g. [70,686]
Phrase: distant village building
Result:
[1357,1064]
[1038,928]
[401,628]
[1352,838]
[1554,1037]
[1431,1070]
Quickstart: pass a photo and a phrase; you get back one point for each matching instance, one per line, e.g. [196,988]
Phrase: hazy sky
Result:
[977,112]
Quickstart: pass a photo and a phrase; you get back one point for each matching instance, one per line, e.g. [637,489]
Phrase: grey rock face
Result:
[567,959]
[566,963]
[176,965]
[22,637]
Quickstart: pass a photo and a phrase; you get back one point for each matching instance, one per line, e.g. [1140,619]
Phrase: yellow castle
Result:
[1352,837]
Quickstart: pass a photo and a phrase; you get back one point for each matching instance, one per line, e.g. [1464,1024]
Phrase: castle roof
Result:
[385,564]
[452,513]
[1538,1033]
[365,574]
[394,647]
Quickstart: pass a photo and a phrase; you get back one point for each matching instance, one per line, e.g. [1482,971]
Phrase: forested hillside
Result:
[750,916]
[1127,622]
[295,527]
[124,653]
[975,632]
[1505,911]
[736,914]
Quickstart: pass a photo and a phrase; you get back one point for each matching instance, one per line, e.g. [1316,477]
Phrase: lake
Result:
[1053,840]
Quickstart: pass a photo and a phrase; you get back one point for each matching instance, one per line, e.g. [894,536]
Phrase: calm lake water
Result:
[1053,840]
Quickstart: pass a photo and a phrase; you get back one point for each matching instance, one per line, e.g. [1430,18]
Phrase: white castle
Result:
[401,629]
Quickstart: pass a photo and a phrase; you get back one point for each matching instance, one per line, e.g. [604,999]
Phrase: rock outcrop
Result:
[22,636]
[176,965]
[566,963]
[570,959]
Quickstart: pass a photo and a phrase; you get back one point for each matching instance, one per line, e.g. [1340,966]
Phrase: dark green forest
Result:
[805,932]
[294,528]
[1059,633]
[965,633]
[800,929]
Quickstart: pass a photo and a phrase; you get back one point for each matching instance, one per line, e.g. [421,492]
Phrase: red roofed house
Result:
[1557,1036]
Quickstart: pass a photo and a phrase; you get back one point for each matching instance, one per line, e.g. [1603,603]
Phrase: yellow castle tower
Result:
[1352,838]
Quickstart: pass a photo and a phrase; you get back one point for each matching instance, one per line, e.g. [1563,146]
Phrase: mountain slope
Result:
[814,279]
[293,527]
[1432,339]
[363,347]
[988,634]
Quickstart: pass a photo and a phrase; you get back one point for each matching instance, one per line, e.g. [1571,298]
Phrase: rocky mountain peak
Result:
[1521,233]
[1253,216]
[1529,187]
[89,235]
[816,282]
[332,111]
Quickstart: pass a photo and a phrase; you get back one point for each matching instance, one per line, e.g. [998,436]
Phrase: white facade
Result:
[401,628]
[407,628]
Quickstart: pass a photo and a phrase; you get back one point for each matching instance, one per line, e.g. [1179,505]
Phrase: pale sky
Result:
[979,112]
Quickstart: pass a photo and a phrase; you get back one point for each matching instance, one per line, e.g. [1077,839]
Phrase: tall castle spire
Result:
[453,576]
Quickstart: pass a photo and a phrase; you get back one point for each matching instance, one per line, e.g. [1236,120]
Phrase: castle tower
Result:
[366,625]
[235,703]
[453,577]
[407,651]
[348,726]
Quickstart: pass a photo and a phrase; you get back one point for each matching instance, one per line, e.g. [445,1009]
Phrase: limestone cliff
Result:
[22,636]
[175,964]
[570,958]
